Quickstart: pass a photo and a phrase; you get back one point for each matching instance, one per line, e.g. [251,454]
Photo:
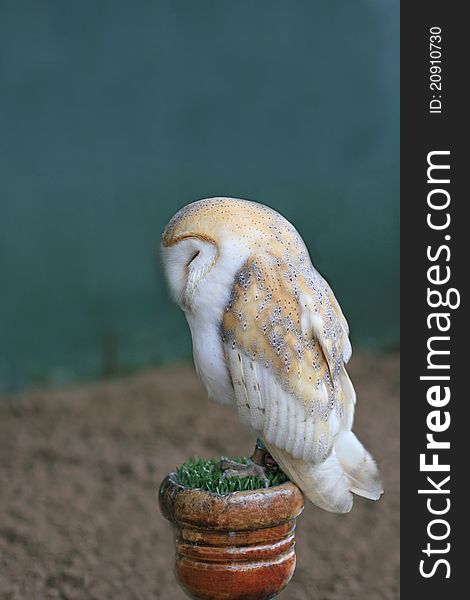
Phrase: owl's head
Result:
[209,241]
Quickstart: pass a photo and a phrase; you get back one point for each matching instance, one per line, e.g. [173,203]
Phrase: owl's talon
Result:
[231,468]
[227,463]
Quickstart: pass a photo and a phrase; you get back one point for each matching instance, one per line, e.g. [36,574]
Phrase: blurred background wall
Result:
[115,114]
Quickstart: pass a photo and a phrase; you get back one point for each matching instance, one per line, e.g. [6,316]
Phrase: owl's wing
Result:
[285,341]
[285,347]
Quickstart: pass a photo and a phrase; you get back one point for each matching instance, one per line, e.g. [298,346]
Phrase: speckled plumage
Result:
[270,338]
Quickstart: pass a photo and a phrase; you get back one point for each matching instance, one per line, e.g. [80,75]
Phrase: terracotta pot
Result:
[237,546]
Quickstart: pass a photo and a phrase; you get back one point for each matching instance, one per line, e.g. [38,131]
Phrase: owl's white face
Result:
[186,264]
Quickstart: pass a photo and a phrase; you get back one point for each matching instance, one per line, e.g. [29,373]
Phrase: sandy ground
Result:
[80,468]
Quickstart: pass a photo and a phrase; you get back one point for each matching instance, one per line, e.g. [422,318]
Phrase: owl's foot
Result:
[231,468]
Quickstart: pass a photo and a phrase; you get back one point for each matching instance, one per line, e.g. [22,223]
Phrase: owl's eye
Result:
[195,255]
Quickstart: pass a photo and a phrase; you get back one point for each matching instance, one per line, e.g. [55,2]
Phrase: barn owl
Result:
[269,339]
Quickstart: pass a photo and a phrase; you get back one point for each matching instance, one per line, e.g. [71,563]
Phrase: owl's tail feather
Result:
[325,484]
[349,468]
[359,466]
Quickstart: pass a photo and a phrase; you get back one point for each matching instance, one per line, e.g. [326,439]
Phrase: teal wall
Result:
[115,114]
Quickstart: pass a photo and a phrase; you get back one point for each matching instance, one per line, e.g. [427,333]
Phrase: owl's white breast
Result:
[209,360]
[204,321]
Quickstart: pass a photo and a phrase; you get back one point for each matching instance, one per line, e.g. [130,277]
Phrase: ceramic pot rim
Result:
[235,511]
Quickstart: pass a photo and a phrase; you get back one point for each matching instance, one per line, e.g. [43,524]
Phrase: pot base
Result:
[237,546]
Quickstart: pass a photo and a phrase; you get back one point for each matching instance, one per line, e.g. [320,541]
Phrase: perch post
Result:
[237,546]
